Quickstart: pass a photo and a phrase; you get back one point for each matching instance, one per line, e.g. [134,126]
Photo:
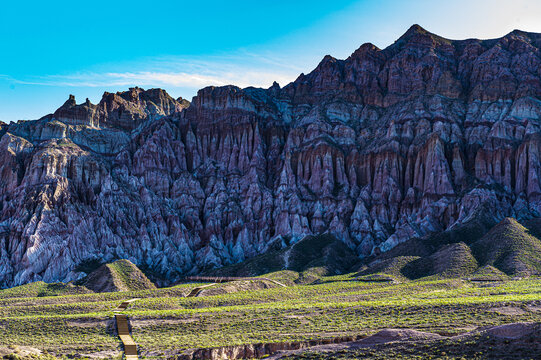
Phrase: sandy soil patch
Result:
[19,350]
[301,318]
[512,331]
[151,322]
[236,286]
[89,323]
[109,354]
[389,335]
[508,310]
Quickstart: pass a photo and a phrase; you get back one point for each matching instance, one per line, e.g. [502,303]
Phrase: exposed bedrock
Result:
[378,148]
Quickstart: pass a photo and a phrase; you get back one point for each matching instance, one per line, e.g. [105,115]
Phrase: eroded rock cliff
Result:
[378,148]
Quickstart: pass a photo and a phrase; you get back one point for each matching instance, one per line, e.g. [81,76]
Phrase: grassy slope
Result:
[393,267]
[511,248]
[40,288]
[121,275]
[489,272]
[131,278]
[472,249]
[165,320]
[453,260]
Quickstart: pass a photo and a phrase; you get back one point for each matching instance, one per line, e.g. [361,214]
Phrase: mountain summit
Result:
[390,144]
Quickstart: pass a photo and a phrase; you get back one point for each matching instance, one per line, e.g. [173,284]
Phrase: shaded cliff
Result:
[386,145]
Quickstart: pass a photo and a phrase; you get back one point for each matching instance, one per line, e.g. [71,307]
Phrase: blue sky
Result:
[53,49]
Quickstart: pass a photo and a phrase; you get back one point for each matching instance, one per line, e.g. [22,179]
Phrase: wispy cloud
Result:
[6,77]
[246,69]
[151,78]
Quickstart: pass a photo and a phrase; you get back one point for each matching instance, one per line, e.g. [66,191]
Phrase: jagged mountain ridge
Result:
[379,148]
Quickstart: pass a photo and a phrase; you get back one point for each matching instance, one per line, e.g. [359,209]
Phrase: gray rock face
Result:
[378,148]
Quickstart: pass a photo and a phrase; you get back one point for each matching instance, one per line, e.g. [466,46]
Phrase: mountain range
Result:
[389,151]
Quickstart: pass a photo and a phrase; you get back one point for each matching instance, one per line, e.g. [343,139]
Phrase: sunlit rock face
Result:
[378,148]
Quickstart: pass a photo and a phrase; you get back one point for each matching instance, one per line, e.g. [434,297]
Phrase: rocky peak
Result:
[275,86]
[364,50]
[3,128]
[103,128]
[418,35]
[415,31]
[133,93]
[521,42]
[419,39]
[183,102]
[219,97]
[73,114]
[327,59]
[123,110]
[70,101]
[328,66]
[527,36]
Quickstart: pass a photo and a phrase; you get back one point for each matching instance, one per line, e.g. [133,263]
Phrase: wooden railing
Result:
[222,279]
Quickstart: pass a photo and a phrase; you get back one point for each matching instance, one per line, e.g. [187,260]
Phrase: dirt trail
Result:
[197,290]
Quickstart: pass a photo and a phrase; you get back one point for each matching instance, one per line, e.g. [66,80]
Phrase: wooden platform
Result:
[222,279]
[125,304]
[130,347]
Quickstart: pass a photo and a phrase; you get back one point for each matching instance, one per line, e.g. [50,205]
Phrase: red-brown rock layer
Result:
[378,148]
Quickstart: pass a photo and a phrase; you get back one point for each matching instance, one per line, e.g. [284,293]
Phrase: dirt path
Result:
[130,347]
[197,290]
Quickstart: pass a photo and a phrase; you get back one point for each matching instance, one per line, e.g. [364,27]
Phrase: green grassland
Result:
[473,276]
[164,321]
